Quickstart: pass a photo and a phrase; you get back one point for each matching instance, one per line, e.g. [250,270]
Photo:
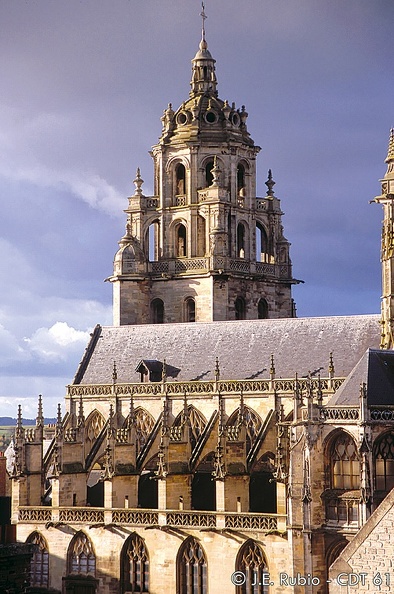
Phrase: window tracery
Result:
[252,564]
[94,425]
[345,463]
[197,423]
[81,557]
[192,568]
[135,565]
[144,423]
[252,424]
[384,462]
[39,564]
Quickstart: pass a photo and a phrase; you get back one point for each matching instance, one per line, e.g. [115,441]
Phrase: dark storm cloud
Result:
[83,88]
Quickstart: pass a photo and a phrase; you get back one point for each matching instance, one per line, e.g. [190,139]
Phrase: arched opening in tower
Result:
[203,487]
[240,180]
[261,244]
[240,308]
[157,311]
[181,248]
[208,174]
[240,241]
[147,490]
[180,173]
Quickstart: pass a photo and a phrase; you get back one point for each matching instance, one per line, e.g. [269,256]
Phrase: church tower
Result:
[387,249]
[204,247]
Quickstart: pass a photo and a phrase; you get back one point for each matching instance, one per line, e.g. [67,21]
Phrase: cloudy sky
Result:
[84,83]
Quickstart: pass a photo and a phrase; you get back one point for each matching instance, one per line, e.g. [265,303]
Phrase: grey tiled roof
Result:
[243,348]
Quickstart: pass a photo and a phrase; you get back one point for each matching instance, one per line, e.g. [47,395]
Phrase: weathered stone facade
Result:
[238,454]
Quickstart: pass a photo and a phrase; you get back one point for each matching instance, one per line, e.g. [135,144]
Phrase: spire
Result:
[40,416]
[203,66]
[390,152]
[270,184]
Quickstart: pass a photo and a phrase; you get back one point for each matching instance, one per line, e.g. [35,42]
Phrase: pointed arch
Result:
[134,565]
[81,558]
[197,423]
[144,423]
[93,427]
[383,457]
[192,568]
[252,563]
[252,424]
[39,563]
[344,464]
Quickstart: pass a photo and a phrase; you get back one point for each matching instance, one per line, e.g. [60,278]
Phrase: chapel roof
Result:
[243,348]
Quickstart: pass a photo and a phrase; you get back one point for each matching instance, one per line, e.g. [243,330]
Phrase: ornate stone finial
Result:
[111,419]
[58,430]
[217,370]
[331,369]
[270,184]
[19,427]
[390,152]
[219,472]
[138,181]
[114,373]
[161,471]
[40,415]
[164,372]
[319,392]
[81,417]
[56,462]
[272,367]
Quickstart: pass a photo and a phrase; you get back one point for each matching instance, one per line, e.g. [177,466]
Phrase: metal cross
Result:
[204,16]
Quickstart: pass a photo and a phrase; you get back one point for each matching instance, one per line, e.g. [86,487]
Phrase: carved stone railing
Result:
[135,517]
[147,517]
[255,387]
[191,518]
[261,522]
[83,515]
[340,413]
[382,414]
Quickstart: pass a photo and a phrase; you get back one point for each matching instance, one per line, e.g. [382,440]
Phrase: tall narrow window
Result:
[261,244]
[180,174]
[134,565]
[240,308]
[384,462]
[153,241]
[190,307]
[262,309]
[157,311]
[81,557]
[345,463]
[191,568]
[39,564]
[240,241]
[181,248]
[208,174]
[201,236]
[251,562]
[240,180]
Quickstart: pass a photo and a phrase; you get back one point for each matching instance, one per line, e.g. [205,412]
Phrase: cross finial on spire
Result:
[204,17]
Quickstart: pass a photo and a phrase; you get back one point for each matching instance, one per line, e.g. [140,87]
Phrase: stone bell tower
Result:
[387,249]
[204,247]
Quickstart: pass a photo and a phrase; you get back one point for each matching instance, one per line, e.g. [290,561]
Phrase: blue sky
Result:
[83,87]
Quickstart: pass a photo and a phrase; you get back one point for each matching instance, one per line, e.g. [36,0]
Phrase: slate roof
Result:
[243,348]
[376,370]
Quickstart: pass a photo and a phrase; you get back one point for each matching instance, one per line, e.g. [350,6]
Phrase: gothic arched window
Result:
[197,423]
[190,310]
[240,308]
[191,568]
[93,427]
[262,309]
[134,565]
[345,465]
[252,424]
[81,557]
[157,311]
[384,462]
[251,562]
[39,564]
[144,423]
